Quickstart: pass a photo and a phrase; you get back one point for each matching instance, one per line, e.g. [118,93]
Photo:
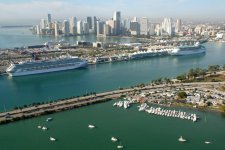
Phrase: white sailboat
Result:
[181,139]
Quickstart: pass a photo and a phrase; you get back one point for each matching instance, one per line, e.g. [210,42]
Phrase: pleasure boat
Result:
[181,139]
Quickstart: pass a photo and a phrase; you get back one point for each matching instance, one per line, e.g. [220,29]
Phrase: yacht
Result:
[91,126]
[49,119]
[114,139]
[181,139]
[52,139]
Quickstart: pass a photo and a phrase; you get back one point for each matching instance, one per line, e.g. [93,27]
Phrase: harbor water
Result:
[136,130]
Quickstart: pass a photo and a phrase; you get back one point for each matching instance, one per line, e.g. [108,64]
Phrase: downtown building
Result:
[144,26]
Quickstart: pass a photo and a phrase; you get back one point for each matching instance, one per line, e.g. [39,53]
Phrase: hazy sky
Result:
[30,11]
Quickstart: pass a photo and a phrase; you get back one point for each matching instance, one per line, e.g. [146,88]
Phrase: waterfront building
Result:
[151,29]
[49,18]
[107,30]
[94,25]
[167,27]
[158,30]
[126,25]
[73,25]
[56,29]
[134,27]
[85,27]
[100,27]
[38,29]
[80,27]
[178,26]
[66,27]
[43,24]
[89,22]
[112,25]
[117,19]
[144,26]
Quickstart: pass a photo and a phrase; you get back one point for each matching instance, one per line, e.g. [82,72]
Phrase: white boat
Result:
[39,127]
[114,139]
[207,142]
[120,146]
[44,128]
[49,119]
[52,139]
[181,139]
[45,66]
[91,126]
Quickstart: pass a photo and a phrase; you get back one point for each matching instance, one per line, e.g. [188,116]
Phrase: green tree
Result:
[182,94]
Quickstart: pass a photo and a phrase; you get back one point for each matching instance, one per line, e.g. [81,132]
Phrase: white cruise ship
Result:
[45,66]
[187,50]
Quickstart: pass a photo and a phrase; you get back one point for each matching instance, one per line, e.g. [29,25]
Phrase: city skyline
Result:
[15,12]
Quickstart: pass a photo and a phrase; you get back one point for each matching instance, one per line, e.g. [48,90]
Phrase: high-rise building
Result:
[134,27]
[94,24]
[56,29]
[178,26]
[89,22]
[117,19]
[112,25]
[80,27]
[151,29]
[38,29]
[144,26]
[66,27]
[43,24]
[100,27]
[85,27]
[73,25]
[49,18]
[126,24]
[107,30]
[167,26]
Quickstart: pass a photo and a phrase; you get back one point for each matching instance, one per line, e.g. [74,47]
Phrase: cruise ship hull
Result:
[188,52]
[80,65]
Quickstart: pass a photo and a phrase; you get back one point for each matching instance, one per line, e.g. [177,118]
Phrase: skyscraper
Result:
[85,27]
[112,25]
[73,25]
[66,27]
[56,29]
[94,24]
[134,27]
[117,19]
[167,26]
[100,27]
[178,26]
[49,18]
[43,24]
[80,27]
[89,22]
[144,26]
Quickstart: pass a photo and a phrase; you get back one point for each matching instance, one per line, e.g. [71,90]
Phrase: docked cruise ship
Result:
[45,66]
[169,50]
[187,50]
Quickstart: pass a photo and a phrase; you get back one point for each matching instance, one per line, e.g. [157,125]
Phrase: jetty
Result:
[71,103]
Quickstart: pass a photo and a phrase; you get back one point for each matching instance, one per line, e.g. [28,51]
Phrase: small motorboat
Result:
[49,119]
[44,128]
[120,146]
[207,142]
[52,139]
[91,126]
[114,139]
[181,139]
[39,127]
